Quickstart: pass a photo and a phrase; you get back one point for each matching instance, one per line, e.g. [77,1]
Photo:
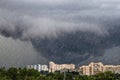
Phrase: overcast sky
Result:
[47,17]
[24,20]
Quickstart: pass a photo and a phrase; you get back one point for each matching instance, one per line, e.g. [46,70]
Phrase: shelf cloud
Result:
[75,30]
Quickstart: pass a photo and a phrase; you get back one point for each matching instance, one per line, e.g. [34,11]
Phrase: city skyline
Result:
[93,68]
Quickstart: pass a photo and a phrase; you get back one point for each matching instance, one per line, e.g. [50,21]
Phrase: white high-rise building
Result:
[44,67]
[38,67]
[35,67]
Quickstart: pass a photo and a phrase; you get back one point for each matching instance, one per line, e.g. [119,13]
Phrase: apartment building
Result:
[95,68]
[57,67]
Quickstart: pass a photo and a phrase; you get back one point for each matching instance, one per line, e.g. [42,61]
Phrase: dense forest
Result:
[31,74]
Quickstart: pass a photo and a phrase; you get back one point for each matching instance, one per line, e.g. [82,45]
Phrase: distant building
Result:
[91,69]
[95,68]
[42,67]
[113,68]
[57,67]
[30,66]
[35,67]
[38,67]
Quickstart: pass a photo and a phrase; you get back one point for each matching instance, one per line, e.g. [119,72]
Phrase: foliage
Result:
[31,74]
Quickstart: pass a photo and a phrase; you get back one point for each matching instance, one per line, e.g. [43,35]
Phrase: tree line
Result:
[32,74]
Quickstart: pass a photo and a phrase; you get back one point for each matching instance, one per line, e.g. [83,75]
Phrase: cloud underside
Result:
[62,30]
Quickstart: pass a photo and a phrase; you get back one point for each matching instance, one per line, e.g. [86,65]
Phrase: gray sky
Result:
[18,53]
[24,21]
[67,15]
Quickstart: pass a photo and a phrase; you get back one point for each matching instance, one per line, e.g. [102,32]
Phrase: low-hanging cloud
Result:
[62,28]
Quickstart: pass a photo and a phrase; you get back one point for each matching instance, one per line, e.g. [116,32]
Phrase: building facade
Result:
[95,68]
[38,67]
[57,67]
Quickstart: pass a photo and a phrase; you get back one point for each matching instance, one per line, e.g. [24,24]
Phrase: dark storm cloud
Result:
[74,29]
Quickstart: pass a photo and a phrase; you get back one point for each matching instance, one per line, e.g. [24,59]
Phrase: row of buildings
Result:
[91,69]
[95,68]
